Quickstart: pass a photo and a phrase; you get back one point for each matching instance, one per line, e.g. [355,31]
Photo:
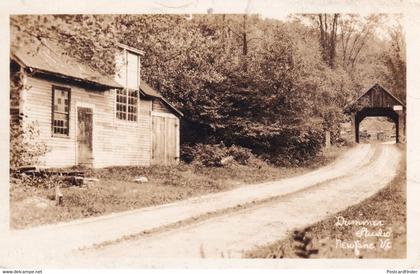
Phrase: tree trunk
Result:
[328,37]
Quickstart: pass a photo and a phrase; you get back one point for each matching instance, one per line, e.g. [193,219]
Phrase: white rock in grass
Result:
[226,160]
[91,179]
[88,180]
[141,180]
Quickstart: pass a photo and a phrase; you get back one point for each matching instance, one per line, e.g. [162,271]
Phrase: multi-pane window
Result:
[61,110]
[126,105]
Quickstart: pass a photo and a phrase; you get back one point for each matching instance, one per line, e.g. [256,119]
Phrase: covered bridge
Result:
[376,101]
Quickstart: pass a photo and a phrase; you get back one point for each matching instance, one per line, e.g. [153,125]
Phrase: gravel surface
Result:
[302,200]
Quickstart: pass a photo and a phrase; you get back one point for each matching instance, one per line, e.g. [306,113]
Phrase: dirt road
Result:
[358,175]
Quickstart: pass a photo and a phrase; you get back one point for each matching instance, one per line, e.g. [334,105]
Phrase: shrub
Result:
[211,155]
[345,142]
[299,146]
[25,147]
[206,154]
[40,181]
[240,154]
[92,202]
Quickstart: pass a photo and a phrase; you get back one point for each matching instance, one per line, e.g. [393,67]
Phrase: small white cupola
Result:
[127,62]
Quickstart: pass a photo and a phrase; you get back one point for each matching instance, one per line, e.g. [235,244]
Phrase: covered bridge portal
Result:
[376,102]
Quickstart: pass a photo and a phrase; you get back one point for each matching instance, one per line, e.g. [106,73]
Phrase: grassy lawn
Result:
[116,191]
[388,205]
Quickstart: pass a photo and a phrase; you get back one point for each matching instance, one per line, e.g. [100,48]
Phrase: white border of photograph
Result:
[272,9]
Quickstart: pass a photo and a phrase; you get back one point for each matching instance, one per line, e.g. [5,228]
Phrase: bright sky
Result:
[278,9]
[282,9]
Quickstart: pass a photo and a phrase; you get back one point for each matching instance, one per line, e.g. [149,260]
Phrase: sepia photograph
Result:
[206,136]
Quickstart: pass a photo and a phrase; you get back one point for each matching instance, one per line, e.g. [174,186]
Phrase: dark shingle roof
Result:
[149,91]
[48,57]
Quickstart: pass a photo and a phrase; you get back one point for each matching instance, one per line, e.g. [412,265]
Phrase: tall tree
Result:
[355,32]
[328,36]
[395,62]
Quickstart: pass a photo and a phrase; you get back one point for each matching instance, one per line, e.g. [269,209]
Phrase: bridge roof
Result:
[385,98]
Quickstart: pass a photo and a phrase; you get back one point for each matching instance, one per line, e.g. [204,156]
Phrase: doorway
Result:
[165,140]
[84,136]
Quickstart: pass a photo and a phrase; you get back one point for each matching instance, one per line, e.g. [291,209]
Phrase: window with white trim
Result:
[126,104]
[60,111]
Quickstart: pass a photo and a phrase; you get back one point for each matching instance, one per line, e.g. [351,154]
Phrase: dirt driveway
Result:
[227,236]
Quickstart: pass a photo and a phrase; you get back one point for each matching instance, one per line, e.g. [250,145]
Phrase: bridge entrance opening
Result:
[377,129]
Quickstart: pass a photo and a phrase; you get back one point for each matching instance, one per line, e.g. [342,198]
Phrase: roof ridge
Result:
[50,57]
[382,87]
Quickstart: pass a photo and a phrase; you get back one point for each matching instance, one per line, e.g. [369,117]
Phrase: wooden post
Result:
[401,126]
[58,196]
[327,139]
[353,128]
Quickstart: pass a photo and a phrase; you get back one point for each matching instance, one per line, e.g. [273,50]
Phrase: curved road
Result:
[358,174]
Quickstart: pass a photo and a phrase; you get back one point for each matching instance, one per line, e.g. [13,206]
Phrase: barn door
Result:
[165,138]
[84,136]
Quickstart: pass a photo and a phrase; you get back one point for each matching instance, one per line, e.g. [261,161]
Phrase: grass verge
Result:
[327,240]
[116,191]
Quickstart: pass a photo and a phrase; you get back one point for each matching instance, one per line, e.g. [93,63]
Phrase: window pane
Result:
[126,105]
[61,111]
[61,100]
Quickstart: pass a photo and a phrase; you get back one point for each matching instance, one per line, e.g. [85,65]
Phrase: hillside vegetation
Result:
[270,86]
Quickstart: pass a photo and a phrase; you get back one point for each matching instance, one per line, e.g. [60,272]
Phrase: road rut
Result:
[228,236]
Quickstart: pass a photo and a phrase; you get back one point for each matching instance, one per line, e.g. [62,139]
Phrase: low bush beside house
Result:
[213,155]
[25,147]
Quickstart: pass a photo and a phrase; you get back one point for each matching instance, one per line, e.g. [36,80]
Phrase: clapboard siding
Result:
[159,106]
[115,142]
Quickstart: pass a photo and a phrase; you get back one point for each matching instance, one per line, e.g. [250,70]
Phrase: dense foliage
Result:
[263,84]
[25,147]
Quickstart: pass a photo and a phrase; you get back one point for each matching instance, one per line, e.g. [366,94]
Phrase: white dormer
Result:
[127,72]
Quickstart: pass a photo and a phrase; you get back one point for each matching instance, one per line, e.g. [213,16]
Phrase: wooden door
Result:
[84,136]
[165,140]
[171,129]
